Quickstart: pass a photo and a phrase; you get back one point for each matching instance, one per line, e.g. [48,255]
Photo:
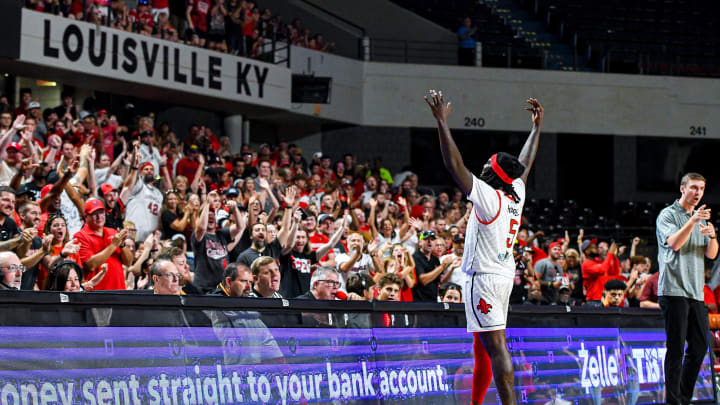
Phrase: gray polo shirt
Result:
[682,273]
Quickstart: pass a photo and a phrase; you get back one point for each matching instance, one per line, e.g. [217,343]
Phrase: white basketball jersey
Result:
[492,229]
[143,208]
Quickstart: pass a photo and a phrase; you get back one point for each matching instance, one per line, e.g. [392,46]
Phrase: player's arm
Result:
[450,153]
[529,150]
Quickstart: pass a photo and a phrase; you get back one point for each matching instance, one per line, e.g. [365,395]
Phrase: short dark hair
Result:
[692,176]
[389,278]
[358,283]
[614,284]
[445,287]
[233,270]
[7,189]
[168,253]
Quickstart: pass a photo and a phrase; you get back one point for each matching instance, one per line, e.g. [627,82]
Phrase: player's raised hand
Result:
[439,109]
[537,112]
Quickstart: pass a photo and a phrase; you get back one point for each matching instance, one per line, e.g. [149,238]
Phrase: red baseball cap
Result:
[102,112]
[142,166]
[45,190]
[92,206]
[106,188]
[14,145]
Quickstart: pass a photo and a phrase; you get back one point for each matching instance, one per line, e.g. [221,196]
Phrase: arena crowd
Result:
[239,27]
[89,203]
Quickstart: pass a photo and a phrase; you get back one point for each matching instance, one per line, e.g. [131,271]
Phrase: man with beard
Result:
[102,245]
[595,271]
[143,206]
[297,266]
[259,246]
[114,207]
[455,273]
[149,153]
[237,281]
[210,243]
[39,247]
[50,200]
[550,273]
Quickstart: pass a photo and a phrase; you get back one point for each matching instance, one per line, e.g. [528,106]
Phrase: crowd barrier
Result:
[106,348]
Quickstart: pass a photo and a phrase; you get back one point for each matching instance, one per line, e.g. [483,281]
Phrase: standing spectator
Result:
[40,133]
[8,227]
[648,297]
[454,274]
[356,261]
[102,245]
[428,269]
[159,7]
[196,14]
[252,15]
[574,275]
[524,274]
[259,245]
[595,271]
[148,152]
[67,110]
[25,99]
[466,43]
[216,27]
[685,237]
[550,273]
[145,201]
[209,244]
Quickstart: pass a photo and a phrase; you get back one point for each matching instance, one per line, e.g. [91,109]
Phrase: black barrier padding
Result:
[22,308]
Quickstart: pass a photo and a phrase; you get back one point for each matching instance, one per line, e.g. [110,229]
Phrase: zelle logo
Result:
[602,368]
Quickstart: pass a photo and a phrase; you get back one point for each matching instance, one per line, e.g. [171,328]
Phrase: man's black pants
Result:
[685,320]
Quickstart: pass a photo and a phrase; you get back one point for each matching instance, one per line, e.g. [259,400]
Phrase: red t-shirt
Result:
[187,168]
[90,244]
[317,240]
[144,17]
[108,139]
[200,10]
[710,298]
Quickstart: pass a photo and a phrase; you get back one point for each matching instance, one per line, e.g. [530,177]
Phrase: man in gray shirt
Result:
[684,237]
[550,274]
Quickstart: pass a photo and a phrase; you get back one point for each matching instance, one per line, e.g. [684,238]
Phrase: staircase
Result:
[560,56]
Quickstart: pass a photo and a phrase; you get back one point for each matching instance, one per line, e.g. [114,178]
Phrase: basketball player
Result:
[497,196]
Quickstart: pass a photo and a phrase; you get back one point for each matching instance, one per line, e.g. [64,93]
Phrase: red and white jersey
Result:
[491,229]
[143,208]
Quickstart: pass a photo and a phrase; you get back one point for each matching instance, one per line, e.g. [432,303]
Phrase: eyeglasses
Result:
[171,276]
[13,268]
[331,283]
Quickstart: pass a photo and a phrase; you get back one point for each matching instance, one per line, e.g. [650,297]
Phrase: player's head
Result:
[500,171]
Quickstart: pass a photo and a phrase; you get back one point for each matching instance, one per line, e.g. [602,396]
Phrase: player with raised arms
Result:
[497,195]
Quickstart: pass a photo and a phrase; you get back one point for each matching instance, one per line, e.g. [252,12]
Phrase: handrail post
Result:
[365,48]
[478,53]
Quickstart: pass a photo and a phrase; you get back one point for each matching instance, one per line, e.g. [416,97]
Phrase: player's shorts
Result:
[487,301]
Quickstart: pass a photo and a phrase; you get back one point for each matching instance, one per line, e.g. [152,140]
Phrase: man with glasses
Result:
[5,121]
[324,285]
[100,244]
[12,271]
[165,277]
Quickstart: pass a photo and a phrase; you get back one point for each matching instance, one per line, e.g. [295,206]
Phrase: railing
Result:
[446,53]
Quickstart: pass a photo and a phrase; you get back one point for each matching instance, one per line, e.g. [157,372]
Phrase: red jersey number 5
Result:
[513,231]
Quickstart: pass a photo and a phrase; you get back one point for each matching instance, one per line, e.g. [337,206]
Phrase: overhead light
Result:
[45,83]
